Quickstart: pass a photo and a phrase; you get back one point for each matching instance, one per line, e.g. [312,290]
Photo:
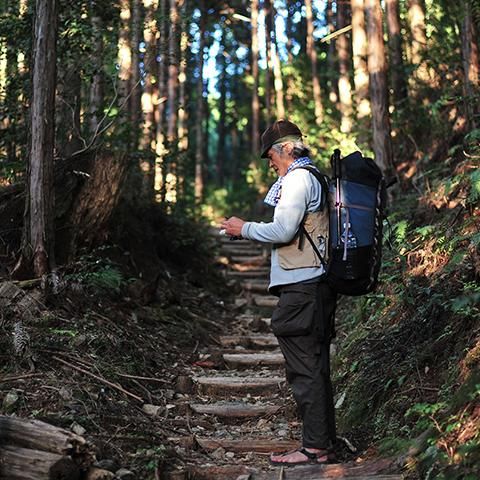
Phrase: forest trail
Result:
[237,402]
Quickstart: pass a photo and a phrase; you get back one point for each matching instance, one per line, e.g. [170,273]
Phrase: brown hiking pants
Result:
[303,322]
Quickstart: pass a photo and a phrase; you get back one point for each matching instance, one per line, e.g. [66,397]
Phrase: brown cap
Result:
[276,132]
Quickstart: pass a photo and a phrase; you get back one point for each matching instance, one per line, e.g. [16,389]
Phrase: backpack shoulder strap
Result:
[323,180]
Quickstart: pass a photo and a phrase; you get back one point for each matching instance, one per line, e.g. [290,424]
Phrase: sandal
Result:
[315,458]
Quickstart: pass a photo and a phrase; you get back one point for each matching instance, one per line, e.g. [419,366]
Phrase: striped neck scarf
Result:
[273,195]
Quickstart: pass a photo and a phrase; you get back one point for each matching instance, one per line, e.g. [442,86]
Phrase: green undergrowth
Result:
[409,354]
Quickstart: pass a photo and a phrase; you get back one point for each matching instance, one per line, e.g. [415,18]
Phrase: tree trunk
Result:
[160,133]
[470,57]
[377,70]
[255,101]
[173,74]
[360,52]
[183,102]
[332,55]
[199,160]
[38,242]
[277,72]
[95,106]
[344,87]
[136,89]
[124,61]
[149,99]
[312,55]
[267,9]
[416,17]
[397,69]
[222,121]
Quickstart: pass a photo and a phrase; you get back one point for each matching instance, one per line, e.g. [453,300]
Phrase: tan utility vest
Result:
[299,252]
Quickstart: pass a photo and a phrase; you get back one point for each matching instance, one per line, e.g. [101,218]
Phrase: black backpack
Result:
[356,201]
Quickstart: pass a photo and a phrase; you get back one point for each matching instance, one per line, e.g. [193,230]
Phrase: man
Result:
[303,318]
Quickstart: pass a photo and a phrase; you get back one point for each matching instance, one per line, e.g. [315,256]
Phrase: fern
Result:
[474,194]
[475,7]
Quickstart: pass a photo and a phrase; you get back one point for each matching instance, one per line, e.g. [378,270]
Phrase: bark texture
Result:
[255,100]
[344,87]
[312,54]
[360,52]
[40,207]
[377,69]
[397,69]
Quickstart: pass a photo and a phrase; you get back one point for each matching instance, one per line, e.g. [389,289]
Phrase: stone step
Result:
[234,409]
[238,385]
[249,340]
[253,359]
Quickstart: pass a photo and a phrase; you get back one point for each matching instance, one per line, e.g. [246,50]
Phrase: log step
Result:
[253,359]
[248,274]
[239,385]
[249,260]
[234,409]
[255,286]
[249,340]
[265,300]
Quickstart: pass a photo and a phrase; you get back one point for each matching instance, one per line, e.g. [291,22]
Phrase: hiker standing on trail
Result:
[303,319]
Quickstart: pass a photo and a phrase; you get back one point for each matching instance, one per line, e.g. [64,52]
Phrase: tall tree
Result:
[267,10]
[222,120]
[416,17]
[397,69]
[331,54]
[255,100]
[149,98]
[95,104]
[124,61]
[199,157]
[312,55]
[277,72]
[344,87]
[471,64]
[377,69]
[360,52]
[38,239]
[136,90]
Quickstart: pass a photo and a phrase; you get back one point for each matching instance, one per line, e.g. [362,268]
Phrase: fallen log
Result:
[40,436]
[18,463]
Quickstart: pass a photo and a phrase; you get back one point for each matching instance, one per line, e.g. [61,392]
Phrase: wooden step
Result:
[369,470]
[253,359]
[258,286]
[248,259]
[249,340]
[249,274]
[238,385]
[234,409]
[257,445]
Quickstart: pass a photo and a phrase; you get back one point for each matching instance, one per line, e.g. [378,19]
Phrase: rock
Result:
[124,474]
[10,401]
[230,454]
[219,453]
[95,473]
[152,410]
[77,428]
[107,464]
[282,433]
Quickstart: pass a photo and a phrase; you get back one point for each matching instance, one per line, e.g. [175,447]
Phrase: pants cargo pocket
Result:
[295,312]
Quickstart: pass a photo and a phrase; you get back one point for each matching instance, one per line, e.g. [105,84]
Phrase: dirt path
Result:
[238,406]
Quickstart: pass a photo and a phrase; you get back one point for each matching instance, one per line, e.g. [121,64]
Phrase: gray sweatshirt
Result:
[301,193]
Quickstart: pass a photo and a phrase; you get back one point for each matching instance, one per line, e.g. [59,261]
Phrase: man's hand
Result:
[233,226]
